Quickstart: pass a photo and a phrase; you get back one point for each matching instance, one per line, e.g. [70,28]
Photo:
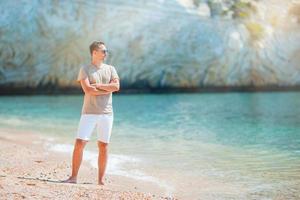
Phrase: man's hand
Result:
[113,86]
[89,89]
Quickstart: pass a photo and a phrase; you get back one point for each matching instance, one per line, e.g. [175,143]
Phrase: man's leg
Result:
[102,161]
[76,160]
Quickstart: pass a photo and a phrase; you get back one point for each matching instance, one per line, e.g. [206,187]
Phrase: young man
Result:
[98,81]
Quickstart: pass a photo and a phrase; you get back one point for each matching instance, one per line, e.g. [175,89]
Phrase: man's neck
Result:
[97,63]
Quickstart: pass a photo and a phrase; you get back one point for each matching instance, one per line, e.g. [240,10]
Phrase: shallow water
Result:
[218,146]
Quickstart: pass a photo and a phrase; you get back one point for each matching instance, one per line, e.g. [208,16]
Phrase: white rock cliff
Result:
[154,44]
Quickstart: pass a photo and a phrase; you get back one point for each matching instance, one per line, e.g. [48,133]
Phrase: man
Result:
[98,81]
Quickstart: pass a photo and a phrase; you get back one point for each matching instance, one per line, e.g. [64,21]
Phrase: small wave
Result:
[13,121]
[63,148]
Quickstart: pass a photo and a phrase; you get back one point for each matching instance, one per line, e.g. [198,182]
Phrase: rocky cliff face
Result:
[156,44]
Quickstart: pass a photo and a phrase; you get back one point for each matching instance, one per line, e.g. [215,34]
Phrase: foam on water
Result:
[12,121]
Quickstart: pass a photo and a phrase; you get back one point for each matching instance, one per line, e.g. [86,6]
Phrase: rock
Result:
[159,44]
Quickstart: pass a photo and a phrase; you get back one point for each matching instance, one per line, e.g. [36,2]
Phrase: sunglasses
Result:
[105,51]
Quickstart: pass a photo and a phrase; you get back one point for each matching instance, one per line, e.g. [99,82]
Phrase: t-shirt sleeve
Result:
[82,74]
[114,74]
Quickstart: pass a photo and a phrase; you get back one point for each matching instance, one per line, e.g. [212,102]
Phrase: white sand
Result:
[29,171]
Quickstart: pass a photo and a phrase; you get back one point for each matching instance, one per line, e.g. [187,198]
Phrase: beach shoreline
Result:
[28,169]
[11,90]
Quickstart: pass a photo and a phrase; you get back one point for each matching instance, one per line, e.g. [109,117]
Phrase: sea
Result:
[236,145]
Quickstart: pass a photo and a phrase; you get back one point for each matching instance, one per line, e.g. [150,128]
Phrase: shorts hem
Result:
[85,139]
[107,142]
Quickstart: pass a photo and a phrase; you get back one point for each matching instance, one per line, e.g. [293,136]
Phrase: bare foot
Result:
[100,183]
[70,180]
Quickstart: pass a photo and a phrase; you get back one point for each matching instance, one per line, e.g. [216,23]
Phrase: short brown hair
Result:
[96,45]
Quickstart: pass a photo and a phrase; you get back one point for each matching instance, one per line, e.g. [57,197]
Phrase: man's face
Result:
[101,53]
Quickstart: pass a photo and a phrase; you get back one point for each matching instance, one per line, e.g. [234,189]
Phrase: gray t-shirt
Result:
[101,104]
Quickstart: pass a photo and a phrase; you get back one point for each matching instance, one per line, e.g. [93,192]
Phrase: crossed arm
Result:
[100,89]
[92,90]
[113,86]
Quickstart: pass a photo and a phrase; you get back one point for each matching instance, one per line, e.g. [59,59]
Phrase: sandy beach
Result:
[28,170]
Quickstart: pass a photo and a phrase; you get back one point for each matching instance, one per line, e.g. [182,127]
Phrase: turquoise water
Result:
[224,145]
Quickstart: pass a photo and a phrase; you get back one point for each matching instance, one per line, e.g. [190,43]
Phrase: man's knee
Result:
[102,146]
[80,144]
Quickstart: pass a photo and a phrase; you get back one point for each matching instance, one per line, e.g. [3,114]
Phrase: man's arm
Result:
[113,86]
[89,89]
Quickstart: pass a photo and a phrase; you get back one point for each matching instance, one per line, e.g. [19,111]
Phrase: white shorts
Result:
[103,124]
